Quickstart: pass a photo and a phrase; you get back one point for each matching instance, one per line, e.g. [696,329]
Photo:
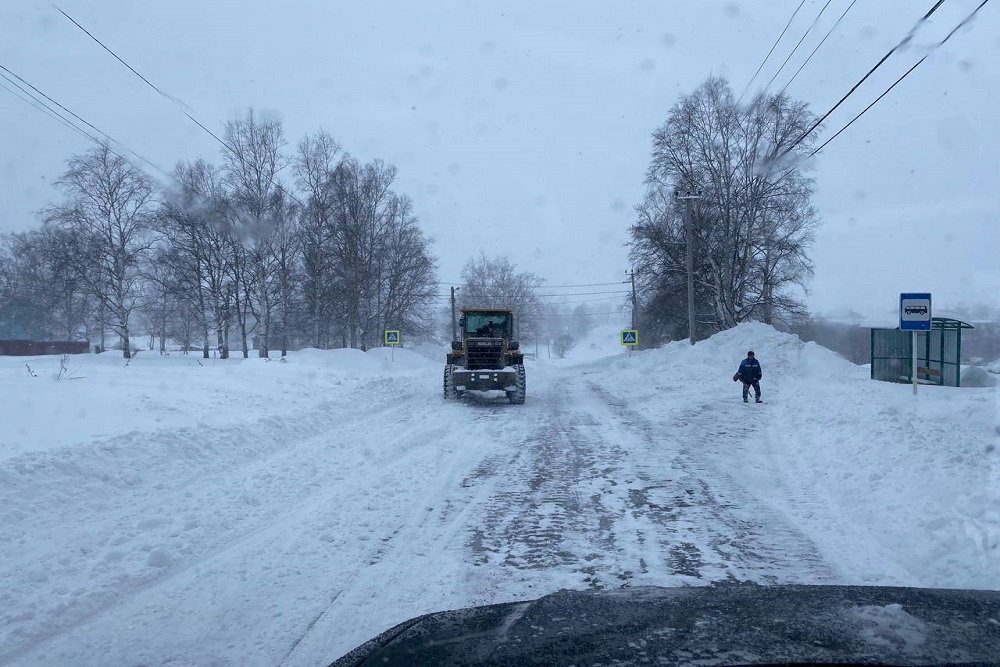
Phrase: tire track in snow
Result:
[547,513]
[243,510]
[714,527]
[415,563]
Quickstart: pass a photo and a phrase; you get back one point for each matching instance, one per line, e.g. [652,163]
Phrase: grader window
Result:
[492,325]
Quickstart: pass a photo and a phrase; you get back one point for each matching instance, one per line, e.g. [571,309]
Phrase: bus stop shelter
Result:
[938,352]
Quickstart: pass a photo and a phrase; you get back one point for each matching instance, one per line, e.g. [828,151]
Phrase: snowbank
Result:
[104,395]
[201,511]
[977,376]
[117,476]
[876,475]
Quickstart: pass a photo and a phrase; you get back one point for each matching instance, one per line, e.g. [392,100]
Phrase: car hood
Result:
[731,624]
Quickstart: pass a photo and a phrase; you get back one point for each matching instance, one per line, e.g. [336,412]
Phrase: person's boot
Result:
[757,400]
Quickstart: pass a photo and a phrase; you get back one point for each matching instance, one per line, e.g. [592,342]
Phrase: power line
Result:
[180,105]
[902,42]
[798,44]
[570,303]
[773,46]
[582,301]
[830,32]
[88,124]
[110,51]
[823,145]
[583,293]
[149,83]
[599,313]
[548,287]
[24,96]
[587,285]
[539,296]
[74,126]
[964,21]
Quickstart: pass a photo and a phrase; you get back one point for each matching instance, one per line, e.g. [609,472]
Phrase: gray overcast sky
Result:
[523,128]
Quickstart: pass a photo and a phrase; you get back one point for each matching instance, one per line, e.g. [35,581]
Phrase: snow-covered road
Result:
[358,501]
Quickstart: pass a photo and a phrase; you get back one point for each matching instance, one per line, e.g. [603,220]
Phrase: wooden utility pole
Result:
[689,197]
[453,329]
[631,275]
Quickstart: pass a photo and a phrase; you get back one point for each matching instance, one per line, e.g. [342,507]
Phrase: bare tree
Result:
[362,219]
[166,293]
[563,343]
[196,245]
[407,272]
[583,321]
[107,210]
[496,283]
[41,295]
[230,246]
[315,165]
[754,222]
[23,311]
[286,248]
[253,160]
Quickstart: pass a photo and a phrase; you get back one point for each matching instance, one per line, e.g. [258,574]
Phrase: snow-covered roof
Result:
[892,322]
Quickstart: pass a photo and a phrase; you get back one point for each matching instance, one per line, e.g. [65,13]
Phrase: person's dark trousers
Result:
[756,389]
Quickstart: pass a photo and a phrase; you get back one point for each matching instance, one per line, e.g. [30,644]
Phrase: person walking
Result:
[750,374]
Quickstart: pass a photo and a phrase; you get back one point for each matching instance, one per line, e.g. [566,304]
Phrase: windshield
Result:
[489,324]
[247,249]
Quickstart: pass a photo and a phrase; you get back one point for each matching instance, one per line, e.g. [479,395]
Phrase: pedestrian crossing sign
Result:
[391,337]
[630,337]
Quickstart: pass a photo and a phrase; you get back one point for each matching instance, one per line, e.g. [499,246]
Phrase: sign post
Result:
[914,316]
[630,338]
[392,340]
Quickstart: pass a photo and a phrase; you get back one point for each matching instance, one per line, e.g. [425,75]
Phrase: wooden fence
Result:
[30,348]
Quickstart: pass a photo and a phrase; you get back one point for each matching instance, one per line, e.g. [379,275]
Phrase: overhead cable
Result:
[903,42]
[936,46]
[798,44]
[37,95]
[750,82]
[180,105]
[827,35]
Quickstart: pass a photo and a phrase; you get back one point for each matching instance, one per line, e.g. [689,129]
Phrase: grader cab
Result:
[485,359]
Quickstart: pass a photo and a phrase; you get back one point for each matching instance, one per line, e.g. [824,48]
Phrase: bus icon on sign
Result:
[915,311]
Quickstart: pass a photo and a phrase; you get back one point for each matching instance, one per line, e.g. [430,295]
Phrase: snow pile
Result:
[105,395]
[977,376]
[116,477]
[895,489]
[175,509]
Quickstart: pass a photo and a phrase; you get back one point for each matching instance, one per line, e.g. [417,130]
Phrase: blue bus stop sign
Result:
[915,311]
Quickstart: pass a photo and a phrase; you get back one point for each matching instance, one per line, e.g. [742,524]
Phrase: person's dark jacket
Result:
[749,371]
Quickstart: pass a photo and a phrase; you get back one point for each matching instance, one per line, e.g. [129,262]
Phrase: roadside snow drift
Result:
[190,511]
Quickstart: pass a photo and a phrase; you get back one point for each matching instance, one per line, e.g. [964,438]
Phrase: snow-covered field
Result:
[252,512]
